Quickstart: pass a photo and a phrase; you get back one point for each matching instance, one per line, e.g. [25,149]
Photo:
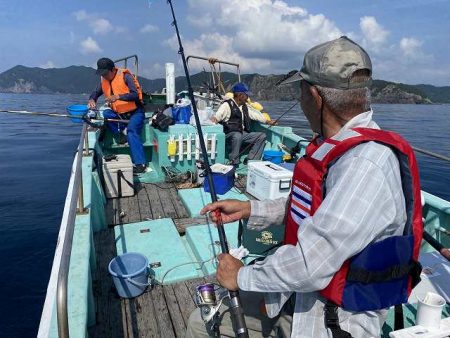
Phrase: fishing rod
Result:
[432,154]
[237,312]
[436,245]
[80,117]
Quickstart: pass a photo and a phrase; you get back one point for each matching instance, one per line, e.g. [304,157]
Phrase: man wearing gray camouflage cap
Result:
[353,203]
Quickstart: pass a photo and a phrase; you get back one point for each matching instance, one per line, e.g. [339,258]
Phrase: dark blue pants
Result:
[134,129]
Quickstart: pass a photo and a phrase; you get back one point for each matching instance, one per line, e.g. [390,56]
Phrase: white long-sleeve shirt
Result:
[364,203]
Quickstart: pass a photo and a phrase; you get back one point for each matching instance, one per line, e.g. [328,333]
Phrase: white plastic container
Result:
[266,180]
[115,181]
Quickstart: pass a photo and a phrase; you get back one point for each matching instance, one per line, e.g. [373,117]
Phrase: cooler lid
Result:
[270,170]
[120,162]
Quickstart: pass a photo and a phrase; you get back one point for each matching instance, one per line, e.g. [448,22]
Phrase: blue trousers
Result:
[134,129]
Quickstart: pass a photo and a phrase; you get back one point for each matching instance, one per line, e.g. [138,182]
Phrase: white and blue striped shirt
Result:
[364,203]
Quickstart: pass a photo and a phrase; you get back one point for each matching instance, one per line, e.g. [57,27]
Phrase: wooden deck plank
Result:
[108,305]
[123,209]
[179,206]
[174,310]
[144,204]
[131,328]
[155,203]
[185,301]
[147,319]
[134,214]
[166,328]
[166,200]
[183,223]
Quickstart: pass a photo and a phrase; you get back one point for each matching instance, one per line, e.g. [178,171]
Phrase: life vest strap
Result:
[332,321]
[394,272]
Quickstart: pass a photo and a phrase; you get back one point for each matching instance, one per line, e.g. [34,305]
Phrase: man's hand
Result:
[227,271]
[112,98]
[231,210]
[91,104]
[272,122]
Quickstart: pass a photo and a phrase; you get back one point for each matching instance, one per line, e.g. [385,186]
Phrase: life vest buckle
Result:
[331,315]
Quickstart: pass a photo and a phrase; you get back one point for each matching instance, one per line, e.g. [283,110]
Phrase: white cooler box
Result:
[116,181]
[266,180]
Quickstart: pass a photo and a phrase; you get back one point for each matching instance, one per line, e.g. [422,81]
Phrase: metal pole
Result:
[63,274]
[86,145]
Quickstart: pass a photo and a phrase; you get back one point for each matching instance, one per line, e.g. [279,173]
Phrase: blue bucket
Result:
[77,110]
[273,156]
[130,274]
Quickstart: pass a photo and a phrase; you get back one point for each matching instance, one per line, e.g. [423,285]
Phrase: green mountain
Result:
[436,94]
[81,79]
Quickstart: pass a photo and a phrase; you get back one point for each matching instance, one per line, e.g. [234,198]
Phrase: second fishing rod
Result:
[237,312]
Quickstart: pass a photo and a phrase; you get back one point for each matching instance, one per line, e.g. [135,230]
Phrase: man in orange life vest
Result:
[353,218]
[123,94]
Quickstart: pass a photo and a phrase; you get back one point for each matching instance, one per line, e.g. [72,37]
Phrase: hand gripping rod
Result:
[237,313]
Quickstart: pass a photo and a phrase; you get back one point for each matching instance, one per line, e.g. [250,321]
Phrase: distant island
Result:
[81,79]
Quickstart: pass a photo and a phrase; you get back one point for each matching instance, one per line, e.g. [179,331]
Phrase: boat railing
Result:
[76,207]
[214,60]
[125,60]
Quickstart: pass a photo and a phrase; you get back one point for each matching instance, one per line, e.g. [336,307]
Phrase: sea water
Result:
[36,155]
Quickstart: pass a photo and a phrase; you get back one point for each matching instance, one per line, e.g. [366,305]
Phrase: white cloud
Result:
[100,26]
[410,47]
[149,29]
[374,35]
[262,35]
[48,64]
[271,36]
[90,46]
[97,24]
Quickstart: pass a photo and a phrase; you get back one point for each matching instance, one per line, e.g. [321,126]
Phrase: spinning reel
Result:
[209,306]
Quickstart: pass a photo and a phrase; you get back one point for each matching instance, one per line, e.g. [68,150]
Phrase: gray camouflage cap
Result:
[333,63]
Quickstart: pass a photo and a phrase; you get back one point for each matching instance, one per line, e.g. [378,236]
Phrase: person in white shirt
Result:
[363,203]
[235,117]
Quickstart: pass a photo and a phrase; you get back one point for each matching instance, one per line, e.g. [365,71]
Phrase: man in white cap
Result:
[353,218]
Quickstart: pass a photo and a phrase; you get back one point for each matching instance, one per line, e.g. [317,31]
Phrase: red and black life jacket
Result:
[384,273]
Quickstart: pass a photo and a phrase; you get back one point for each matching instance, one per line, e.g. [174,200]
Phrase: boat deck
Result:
[151,201]
[162,311]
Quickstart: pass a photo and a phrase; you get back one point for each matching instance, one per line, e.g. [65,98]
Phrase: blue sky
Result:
[408,40]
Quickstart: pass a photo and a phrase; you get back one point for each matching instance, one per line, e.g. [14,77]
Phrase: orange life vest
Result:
[118,86]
